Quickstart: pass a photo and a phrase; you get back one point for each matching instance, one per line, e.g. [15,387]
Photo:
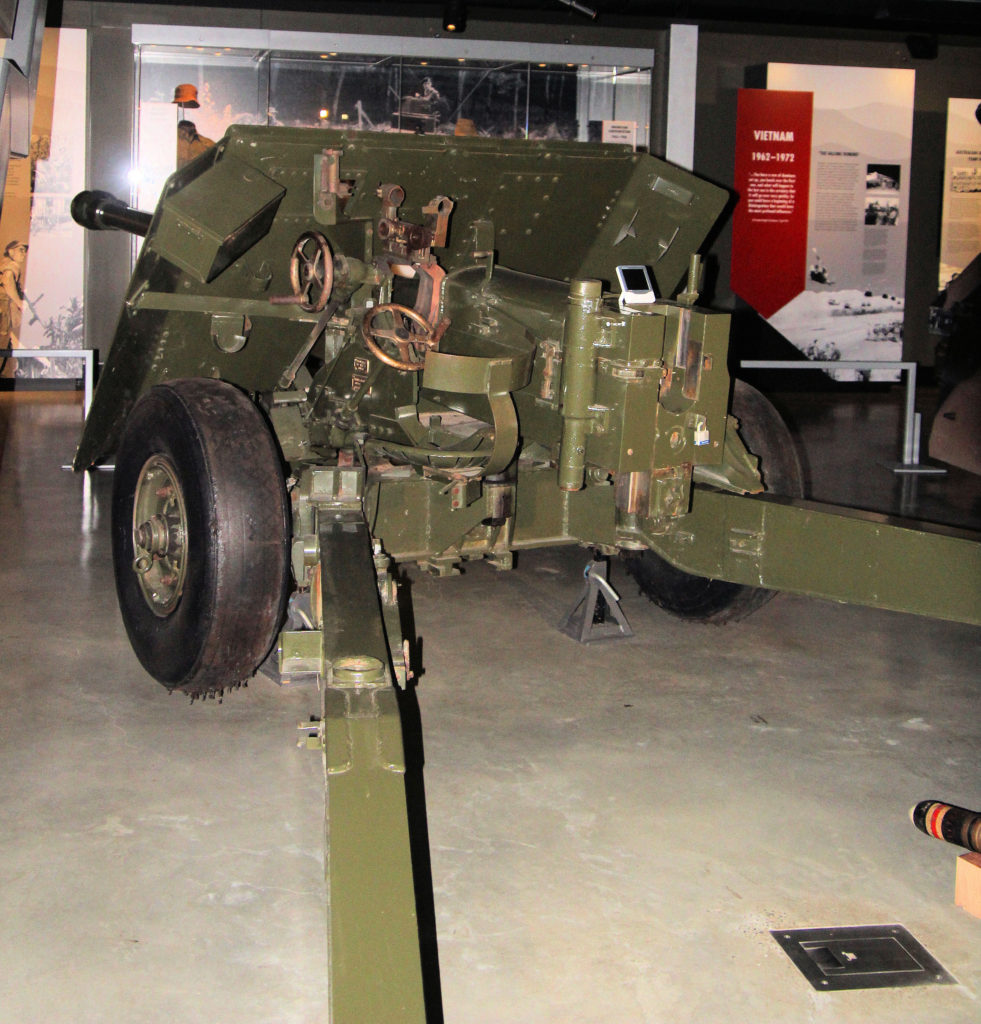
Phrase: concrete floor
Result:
[614,830]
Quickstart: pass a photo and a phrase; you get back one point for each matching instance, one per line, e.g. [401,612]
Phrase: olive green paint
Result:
[541,414]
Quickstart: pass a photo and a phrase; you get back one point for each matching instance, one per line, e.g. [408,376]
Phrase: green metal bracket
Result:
[230,331]
[300,653]
[494,378]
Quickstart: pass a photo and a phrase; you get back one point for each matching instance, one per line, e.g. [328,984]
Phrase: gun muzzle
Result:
[102,211]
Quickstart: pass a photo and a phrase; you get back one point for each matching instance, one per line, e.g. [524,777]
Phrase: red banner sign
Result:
[769,228]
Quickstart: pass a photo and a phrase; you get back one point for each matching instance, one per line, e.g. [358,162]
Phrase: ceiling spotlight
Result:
[454,16]
[579,8]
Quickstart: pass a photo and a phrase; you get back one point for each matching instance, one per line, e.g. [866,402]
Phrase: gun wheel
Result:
[697,597]
[200,535]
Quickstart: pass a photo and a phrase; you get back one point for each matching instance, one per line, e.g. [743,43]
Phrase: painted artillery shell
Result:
[955,825]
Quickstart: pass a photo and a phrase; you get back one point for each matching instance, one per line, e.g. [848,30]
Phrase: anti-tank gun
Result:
[340,351]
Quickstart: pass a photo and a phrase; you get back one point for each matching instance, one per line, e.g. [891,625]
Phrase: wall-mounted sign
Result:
[624,132]
[773,154]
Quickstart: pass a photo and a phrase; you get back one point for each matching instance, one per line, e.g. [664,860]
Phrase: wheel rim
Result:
[159,535]
[411,346]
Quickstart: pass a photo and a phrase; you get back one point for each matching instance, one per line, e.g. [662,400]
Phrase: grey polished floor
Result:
[614,830]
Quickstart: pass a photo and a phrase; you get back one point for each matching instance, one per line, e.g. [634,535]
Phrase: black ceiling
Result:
[949,18]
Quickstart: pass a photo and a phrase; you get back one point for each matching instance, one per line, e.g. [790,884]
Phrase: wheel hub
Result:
[159,535]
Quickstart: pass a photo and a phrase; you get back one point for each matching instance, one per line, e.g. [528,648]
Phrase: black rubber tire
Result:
[227,464]
[698,597]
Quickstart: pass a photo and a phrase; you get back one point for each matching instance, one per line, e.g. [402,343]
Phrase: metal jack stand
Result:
[589,619]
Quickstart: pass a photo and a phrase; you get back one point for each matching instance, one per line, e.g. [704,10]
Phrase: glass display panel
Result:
[207,89]
[553,102]
[189,95]
[465,97]
[334,90]
[610,93]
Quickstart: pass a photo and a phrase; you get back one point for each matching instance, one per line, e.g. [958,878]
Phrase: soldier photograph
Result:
[11,301]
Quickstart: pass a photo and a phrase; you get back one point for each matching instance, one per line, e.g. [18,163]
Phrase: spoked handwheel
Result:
[312,271]
[402,330]
[200,532]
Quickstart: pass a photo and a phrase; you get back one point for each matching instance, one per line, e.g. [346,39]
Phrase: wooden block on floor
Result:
[967,883]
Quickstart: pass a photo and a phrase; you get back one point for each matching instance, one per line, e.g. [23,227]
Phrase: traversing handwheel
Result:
[409,333]
[200,535]
[312,271]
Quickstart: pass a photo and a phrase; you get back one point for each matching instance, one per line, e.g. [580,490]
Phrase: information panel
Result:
[960,238]
[773,151]
[824,258]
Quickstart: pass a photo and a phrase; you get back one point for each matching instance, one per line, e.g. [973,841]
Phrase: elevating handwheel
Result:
[408,332]
[697,597]
[200,535]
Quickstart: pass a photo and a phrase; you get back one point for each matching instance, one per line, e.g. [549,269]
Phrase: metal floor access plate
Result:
[869,956]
